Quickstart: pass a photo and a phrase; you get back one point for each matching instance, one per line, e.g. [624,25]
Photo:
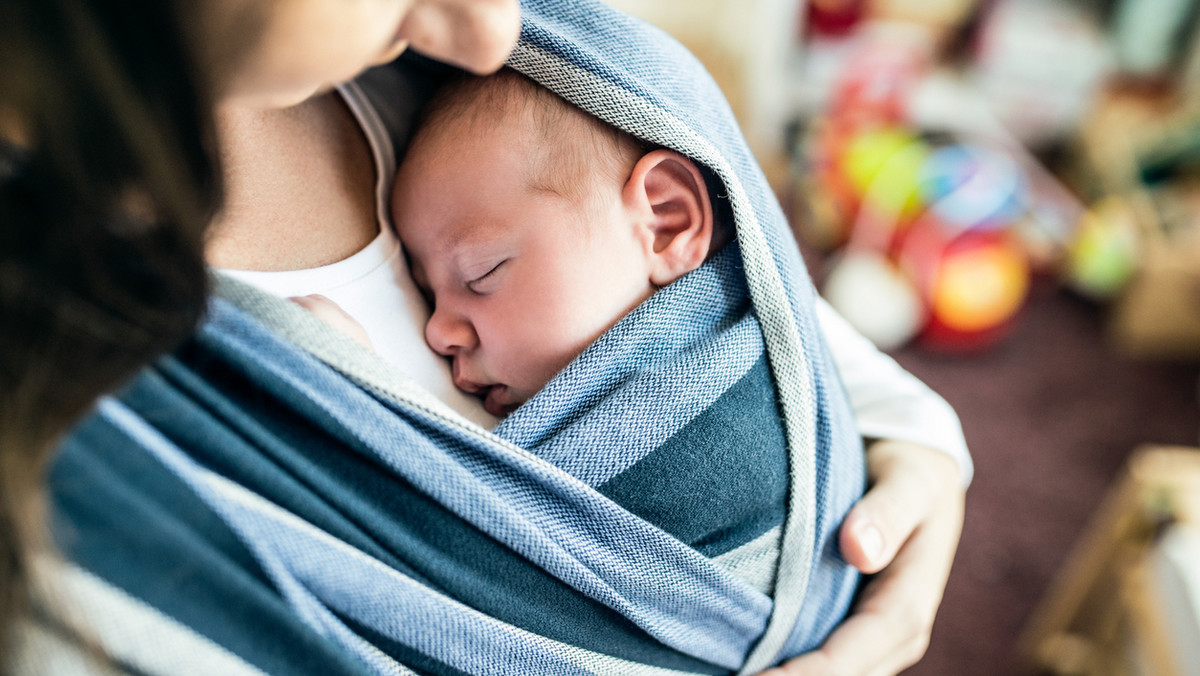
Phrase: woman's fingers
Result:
[865,645]
[908,481]
[332,314]
[916,506]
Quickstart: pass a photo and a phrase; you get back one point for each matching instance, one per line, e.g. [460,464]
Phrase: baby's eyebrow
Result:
[469,235]
[467,246]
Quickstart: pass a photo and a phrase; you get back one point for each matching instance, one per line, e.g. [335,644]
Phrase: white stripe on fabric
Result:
[203,482]
[314,569]
[131,632]
[668,589]
[362,587]
[323,567]
[789,364]
[595,449]
[36,649]
[755,561]
[593,662]
[343,353]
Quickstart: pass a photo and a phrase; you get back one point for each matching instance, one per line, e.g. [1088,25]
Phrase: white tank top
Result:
[373,286]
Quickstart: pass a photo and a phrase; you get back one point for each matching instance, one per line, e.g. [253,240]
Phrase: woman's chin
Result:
[277,99]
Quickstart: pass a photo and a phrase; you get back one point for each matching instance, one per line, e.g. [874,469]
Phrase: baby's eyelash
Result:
[471,284]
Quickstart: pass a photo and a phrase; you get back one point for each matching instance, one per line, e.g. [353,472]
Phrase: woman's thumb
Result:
[898,502]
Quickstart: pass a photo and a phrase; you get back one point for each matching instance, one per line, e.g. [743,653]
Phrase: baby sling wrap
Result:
[310,515]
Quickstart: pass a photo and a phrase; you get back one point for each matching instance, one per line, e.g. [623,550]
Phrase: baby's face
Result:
[520,281]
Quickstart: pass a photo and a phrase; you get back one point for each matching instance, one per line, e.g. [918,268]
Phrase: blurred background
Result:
[1005,196]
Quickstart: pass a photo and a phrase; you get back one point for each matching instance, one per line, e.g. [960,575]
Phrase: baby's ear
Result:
[674,214]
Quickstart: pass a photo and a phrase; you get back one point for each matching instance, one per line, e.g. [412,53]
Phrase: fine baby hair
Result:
[595,149]
[573,146]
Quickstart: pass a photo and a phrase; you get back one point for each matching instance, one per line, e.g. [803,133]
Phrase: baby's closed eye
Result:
[488,281]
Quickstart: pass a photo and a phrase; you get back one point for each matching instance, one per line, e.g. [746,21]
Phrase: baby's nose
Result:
[448,333]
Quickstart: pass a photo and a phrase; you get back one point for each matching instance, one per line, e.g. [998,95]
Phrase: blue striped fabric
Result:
[312,519]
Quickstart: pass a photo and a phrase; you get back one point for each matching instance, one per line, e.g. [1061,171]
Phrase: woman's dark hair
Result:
[107,181]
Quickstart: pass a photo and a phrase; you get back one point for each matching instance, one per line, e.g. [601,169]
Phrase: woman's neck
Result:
[299,187]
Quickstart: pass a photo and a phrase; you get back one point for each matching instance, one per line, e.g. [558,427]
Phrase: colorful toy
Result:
[883,167]
[876,297]
[969,186]
[875,86]
[980,284]
[1103,255]
[834,17]
[931,253]
[973,286]
[863,174]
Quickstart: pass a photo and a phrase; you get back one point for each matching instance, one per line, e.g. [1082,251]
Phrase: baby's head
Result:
[533,227]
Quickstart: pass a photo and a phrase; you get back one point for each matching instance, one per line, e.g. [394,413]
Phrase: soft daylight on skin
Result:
[311,45]
[521,281]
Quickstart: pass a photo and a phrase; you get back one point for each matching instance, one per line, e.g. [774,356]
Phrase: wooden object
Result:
[1100,617]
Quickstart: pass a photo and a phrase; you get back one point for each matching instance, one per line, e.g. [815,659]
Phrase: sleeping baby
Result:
[533,228]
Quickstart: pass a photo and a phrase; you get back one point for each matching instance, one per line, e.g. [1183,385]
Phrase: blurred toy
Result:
[883,168]
[875,85]
[877,172]
[973,283]
[872,174]
[1103,255]
[931,252]
[876,297]
[968,186]
[979,286]
[834,17]
[940,19]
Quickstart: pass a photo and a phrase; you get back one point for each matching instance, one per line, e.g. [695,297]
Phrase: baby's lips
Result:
[467,385]
[494,395]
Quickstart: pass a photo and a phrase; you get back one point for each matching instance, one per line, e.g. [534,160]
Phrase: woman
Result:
[81,264]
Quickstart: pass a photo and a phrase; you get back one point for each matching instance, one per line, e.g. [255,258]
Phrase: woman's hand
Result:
[909,521]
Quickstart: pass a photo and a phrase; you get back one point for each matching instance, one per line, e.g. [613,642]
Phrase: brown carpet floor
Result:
[1050,415]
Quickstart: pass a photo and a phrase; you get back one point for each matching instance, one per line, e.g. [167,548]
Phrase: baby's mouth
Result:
[494,401]
[495,397]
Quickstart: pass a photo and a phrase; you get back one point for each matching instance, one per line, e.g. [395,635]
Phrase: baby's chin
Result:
[500,401]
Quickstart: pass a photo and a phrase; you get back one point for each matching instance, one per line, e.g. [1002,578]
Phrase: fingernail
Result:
[871,540]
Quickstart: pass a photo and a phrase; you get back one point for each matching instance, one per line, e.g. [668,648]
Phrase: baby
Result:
[539,234]
[532,228]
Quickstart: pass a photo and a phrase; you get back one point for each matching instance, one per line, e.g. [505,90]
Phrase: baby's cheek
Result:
[542,357]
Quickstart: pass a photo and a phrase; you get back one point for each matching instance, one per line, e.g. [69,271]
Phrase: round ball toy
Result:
[973,187]
[1103,252]
[973,284]
[876,298]
[883,167]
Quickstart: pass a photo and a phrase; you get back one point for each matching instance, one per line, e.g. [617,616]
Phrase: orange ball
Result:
[980,287]
[980,284]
